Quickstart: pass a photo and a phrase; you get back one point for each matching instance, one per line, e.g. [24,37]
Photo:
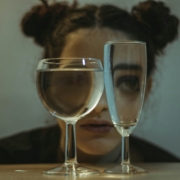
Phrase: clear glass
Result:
[125,81]
[69,89]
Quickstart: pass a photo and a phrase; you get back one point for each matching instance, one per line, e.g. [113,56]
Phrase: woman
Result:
[69,31]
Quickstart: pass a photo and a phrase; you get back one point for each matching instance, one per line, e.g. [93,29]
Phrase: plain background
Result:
[21,109]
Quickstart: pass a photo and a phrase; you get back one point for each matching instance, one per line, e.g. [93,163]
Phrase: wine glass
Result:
[125,81]
[70,88]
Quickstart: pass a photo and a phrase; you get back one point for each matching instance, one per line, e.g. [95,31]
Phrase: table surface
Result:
[156,171]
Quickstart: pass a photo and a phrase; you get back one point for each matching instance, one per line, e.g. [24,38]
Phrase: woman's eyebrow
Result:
[124,66]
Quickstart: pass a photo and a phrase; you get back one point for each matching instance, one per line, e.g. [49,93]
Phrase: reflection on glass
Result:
[70,89]
[125,79]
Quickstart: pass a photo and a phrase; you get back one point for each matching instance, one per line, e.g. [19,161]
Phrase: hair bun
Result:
[38,23]
[163,25]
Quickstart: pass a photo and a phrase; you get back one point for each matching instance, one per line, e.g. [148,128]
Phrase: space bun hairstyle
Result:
[149,21]
[162,25]
[42,19]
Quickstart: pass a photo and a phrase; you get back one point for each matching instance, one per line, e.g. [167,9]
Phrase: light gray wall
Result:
[20,107]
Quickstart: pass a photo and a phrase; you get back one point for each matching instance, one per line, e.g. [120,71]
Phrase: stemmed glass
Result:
[125,81]
[70,88]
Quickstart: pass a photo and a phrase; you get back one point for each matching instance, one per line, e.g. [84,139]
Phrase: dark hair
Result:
[149,21]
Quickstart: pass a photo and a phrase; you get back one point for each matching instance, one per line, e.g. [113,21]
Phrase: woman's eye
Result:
[128,84]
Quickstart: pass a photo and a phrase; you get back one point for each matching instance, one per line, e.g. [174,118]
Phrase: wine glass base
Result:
[71,169]
[125,169]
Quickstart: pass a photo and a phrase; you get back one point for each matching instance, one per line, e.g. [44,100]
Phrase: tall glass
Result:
[70,88]
[125,81]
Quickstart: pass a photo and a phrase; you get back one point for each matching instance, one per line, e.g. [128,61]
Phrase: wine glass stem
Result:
[70,144]
[125,150]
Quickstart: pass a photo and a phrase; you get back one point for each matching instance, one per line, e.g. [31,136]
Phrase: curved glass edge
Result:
[42,61]
[69,58]
[128,42]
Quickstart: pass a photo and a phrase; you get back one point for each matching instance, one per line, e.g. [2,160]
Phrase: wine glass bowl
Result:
[69,89]
[125,81]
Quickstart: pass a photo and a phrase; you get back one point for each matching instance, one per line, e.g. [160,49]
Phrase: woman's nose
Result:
[102,104]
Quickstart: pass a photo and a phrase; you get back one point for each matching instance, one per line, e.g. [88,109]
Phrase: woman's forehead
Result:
[101,33]
[89,42]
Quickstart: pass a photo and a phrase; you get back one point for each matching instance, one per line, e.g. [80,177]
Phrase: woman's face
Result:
[96,134]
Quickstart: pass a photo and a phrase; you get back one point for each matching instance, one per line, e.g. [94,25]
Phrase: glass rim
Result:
[85,62]
[126,42]
[67,58]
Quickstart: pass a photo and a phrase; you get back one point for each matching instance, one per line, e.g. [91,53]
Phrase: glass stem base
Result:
[71,169]
[125,169]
